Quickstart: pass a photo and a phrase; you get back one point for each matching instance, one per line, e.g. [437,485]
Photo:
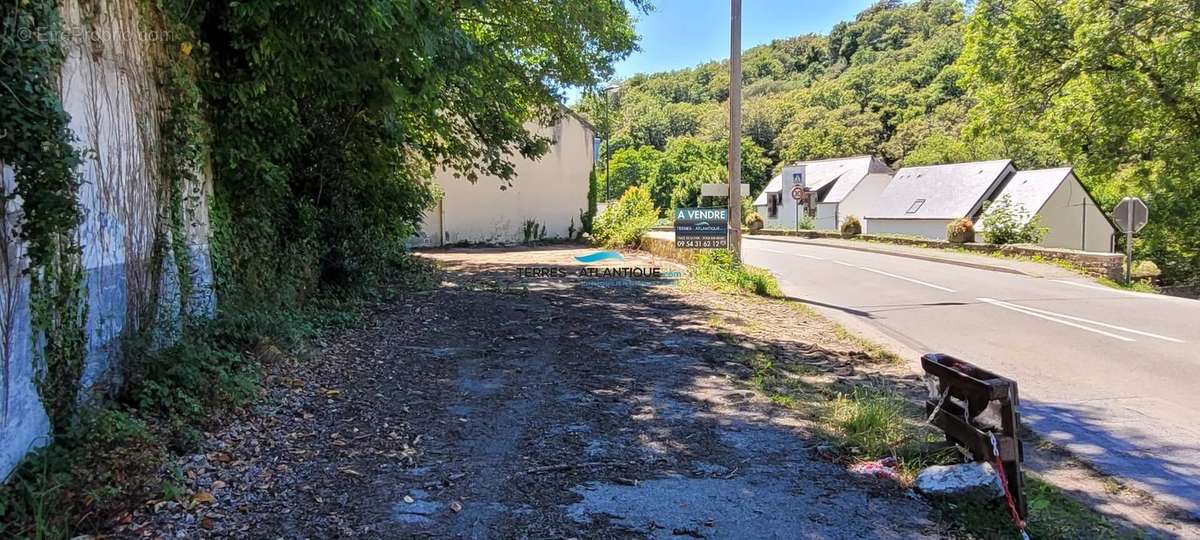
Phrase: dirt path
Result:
[500,406]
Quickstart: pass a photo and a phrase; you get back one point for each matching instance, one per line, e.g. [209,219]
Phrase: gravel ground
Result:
[503,406]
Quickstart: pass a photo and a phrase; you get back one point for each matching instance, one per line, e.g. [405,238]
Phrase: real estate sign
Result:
[701,228]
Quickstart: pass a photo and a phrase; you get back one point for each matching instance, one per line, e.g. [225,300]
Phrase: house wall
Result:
[107,85]
[860,201]
[934,229]
[551,191]
[827,217]
[1064,215]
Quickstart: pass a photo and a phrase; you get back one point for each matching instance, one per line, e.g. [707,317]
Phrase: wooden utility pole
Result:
[735,129]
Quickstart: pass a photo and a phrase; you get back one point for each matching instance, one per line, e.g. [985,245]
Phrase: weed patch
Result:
[717,269]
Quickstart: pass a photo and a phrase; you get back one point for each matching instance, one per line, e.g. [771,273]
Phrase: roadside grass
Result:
[1052,514]
[872,420]
[717,269]
[121,452]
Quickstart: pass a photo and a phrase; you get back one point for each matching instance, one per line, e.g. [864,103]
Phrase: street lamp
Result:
[610,89]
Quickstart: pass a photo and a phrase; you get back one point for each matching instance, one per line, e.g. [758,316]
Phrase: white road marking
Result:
[1021,309]
[1119,291]
[1098,323]
[888,274]
[786,253]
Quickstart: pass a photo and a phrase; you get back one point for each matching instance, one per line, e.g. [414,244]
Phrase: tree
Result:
[1112,85]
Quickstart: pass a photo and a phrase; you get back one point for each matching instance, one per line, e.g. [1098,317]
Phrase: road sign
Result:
[794,175]
[701,228]
[722,190]
[798,193]
[1131,215]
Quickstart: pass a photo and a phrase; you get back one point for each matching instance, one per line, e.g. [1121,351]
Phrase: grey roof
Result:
[939,191]
[820,173]
[1031,189]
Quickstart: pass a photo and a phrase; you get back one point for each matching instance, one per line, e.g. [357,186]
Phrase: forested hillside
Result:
[1107,87]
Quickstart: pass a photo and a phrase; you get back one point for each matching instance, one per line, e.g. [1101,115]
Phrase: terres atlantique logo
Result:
[610,272]
[600,256]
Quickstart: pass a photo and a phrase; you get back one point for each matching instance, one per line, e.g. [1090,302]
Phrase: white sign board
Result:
[793,176]
[722,190]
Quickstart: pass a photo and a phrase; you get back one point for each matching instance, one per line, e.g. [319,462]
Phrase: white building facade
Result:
[545,200]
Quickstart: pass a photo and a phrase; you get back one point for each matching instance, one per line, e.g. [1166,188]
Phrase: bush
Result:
[1007,222]
[960,231]
[806,222]
[753,221]
[624,222]
[718,269]
[852,226]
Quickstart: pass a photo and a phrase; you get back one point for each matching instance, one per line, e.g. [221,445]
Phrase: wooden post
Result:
[735,129]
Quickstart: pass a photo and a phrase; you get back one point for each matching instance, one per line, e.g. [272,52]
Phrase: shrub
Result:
[753,221]
[718,269]
[625,222]
[1007,222]
[806,223]
[852,226]
[960,231]
[1145,270]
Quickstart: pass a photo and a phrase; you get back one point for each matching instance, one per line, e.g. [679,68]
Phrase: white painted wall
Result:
[107,86]
[551,190]
[863,198]
[934,229]
[1065,216]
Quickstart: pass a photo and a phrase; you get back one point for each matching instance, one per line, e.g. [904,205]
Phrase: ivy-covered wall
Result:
[141,239]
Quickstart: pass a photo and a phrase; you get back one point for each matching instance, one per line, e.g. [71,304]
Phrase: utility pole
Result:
[735,129]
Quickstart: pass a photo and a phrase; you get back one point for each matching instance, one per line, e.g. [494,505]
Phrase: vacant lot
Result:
[555,406]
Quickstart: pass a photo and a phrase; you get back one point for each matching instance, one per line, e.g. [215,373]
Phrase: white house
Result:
[546,199]
[922,201]
[1071,216]
[842,187]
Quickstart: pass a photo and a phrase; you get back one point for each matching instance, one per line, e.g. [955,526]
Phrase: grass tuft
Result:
[717,269]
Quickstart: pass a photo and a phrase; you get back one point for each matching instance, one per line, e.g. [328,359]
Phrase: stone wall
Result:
[108,87]
[1109,265]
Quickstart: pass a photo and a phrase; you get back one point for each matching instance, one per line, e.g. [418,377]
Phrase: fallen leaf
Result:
[185,48]
[456,507]
[203,497]
[206,523]
[408,499]
[350,471]
[218,484]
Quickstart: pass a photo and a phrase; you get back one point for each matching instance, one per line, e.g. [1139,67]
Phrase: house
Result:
[922,201]
[1063,206]
[546,198]
[840,188]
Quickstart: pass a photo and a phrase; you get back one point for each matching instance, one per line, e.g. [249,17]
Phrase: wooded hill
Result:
[1108,87]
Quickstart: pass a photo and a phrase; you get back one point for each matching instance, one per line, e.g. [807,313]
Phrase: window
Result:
[916,205]
[773,200]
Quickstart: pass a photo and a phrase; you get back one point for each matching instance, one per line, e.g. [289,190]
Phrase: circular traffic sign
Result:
[798,193]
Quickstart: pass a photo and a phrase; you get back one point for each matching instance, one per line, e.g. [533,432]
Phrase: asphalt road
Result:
[1114,376]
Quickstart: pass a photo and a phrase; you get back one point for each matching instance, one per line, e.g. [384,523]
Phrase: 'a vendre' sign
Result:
[701,228]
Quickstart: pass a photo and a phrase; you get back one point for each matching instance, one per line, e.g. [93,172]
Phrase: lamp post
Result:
[610,89]
[735,129]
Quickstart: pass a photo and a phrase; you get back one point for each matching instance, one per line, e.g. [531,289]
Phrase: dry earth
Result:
[504,406]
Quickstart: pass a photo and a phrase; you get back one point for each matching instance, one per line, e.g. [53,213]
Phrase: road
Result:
[1110,375]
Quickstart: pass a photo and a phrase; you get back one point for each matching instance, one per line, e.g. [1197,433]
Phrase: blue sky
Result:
[683,33]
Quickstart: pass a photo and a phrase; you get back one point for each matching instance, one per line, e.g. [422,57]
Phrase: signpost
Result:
[701,228]
[1131,214]
[794,176]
